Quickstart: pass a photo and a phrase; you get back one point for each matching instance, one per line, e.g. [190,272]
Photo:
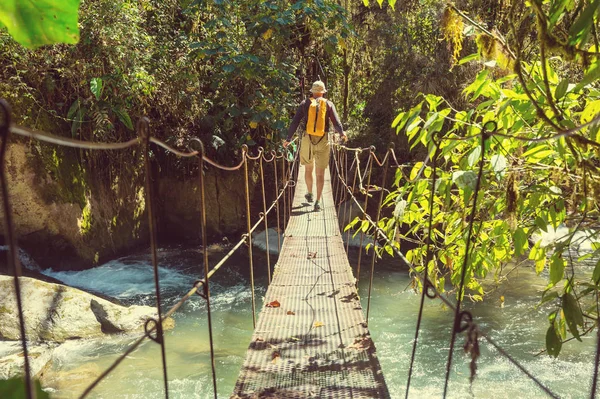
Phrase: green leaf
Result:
[541,223]
[398,118]
[14,388]
[474,156]
[520,240]
[572,313]
[547,297]
[553,342]
[468,58]
[557,268]
[96,86]
[592,74]
[124,118]
[34,23]
[77,120]
[229,68]
[561,89]
[465,179]
[366,3]
[499,163]
[580,28]
[596,274]
[73,109]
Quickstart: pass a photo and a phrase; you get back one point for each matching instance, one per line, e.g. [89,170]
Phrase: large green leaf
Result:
[581,27]
[15,389]
[572,314]
[34,23]
[553,342]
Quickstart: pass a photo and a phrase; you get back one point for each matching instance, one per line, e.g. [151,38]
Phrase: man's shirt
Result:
[302,113]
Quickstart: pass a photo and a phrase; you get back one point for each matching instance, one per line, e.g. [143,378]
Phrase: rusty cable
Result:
[206,295]
[67,142]
[385,170]
[436,294]
[266,219]
[362,233]
[13,250]
[249,237]
[142,127]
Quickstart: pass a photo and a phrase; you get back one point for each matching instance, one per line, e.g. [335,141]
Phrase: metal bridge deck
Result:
[316,344]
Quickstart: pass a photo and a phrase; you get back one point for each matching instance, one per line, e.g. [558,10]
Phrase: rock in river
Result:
[56,313]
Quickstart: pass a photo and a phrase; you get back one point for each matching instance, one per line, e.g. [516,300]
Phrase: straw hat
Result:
[318,87]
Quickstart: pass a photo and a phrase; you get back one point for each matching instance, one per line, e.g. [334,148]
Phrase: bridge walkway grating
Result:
[316,344]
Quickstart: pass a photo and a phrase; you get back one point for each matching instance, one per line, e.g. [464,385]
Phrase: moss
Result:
[5,310]
[86,219]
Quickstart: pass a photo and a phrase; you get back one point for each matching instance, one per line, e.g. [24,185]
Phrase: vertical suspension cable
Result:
[205,259]
[426,283]
[335,180]
[362,233]
[262,182]
[277,204]
[290,173]
[283,183]
[13,261]
[348,212]
[145,138]
[596,361]
[385,170]
[249,236]
[458,314]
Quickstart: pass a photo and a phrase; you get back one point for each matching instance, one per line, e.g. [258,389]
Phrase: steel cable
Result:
[13,261]
[446,301]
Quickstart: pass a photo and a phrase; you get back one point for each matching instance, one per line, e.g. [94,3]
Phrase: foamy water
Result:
[519,327]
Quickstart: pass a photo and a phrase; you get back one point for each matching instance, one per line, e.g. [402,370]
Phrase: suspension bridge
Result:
[311,338]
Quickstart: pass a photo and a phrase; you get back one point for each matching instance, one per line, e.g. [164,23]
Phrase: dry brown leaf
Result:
[275,357]
[311,255]
[274,304]
[360,344]
[290,313]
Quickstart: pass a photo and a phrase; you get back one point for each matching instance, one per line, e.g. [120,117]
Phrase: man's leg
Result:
[320,182]
[308,176]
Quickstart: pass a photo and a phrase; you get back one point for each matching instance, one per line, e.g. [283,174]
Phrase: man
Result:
[317,112]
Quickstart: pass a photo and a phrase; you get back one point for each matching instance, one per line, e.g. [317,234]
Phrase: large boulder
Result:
[56,313]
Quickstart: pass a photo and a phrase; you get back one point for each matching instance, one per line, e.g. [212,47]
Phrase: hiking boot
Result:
[317,206]
[309,197]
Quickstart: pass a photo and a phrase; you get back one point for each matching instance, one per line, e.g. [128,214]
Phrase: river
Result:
[519,327]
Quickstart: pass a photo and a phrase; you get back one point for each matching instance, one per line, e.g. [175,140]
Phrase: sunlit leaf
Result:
[34,23]
[96,86]
[557,268]
[582,25]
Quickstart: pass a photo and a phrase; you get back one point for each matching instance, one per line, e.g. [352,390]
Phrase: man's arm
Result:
[335,119]
[300,113]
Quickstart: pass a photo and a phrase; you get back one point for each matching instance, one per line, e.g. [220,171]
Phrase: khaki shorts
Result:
[317,153]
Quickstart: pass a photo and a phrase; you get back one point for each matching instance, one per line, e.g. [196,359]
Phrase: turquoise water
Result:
[519,327]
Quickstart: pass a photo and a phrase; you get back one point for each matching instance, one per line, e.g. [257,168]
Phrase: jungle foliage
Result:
[520,159]
[509,110]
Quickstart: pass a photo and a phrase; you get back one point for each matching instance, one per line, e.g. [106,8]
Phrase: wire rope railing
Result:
[463,320]
[153,328]
[285,171]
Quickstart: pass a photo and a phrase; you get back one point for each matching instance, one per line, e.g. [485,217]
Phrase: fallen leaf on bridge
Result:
[360,344]
[290,313]
[275,357]
[318,324]
[274,304]
[311,255]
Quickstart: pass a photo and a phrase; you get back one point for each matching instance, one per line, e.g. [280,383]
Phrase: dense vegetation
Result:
[509,110]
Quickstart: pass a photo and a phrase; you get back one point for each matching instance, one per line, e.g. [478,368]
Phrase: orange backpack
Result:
[315,123]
